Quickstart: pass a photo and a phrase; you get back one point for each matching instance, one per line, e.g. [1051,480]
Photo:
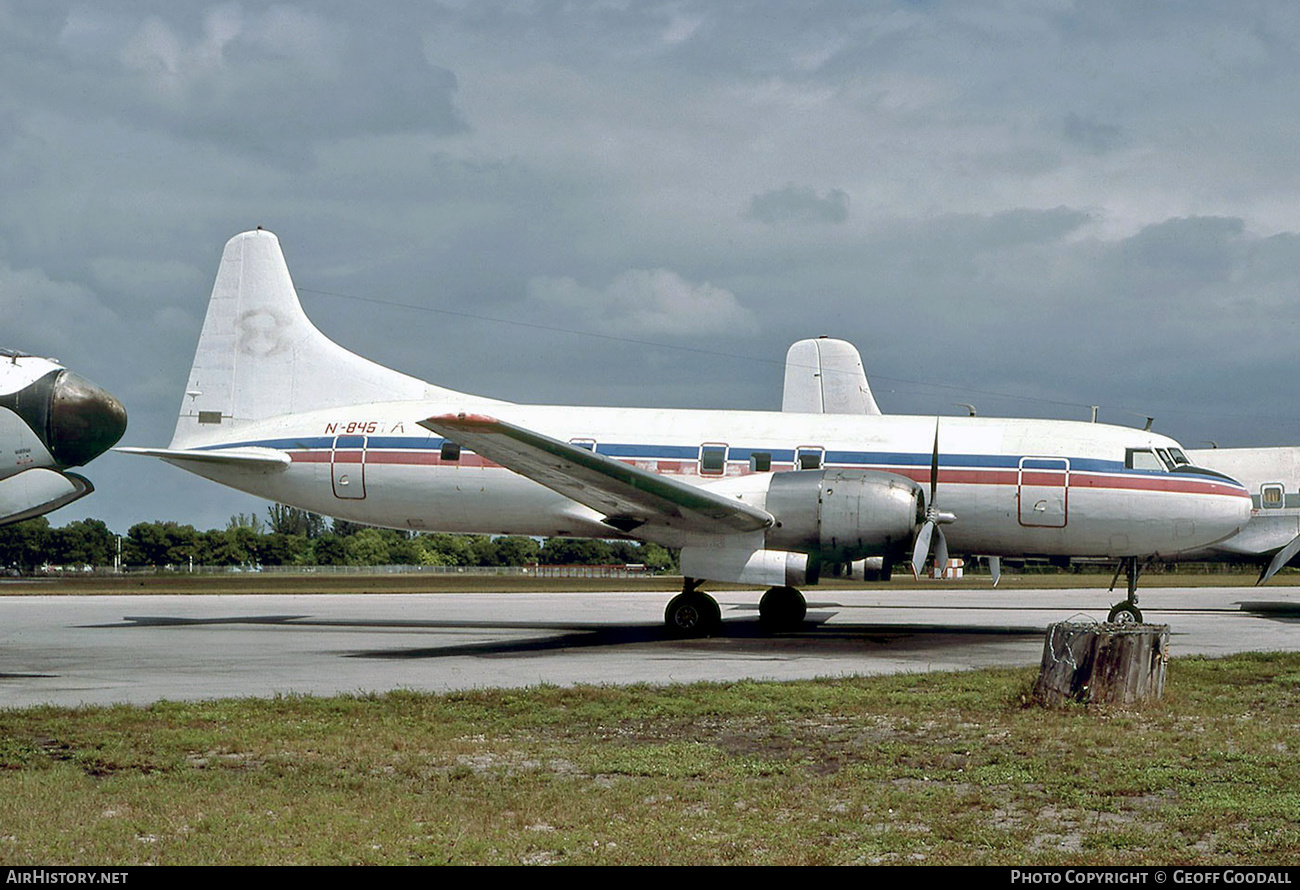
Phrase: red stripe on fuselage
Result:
[920,475]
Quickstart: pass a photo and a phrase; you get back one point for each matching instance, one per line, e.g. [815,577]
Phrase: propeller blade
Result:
[1282,558]
[934,464]
[940,552]
[922,548]
[995,569]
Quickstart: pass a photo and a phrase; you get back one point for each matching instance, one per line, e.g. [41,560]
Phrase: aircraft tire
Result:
[782,609]
[1124,613]
[693,614]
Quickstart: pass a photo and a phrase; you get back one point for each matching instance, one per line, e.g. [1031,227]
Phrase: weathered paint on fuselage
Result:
[1016,486]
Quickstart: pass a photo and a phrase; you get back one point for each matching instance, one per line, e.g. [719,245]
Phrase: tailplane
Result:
[259,356]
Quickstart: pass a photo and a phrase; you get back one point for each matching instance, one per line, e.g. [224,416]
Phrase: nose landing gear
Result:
[1127,612]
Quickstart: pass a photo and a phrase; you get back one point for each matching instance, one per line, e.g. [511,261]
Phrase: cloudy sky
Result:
[1031,206]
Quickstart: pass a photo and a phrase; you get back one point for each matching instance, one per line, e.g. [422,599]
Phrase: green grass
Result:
[934,768]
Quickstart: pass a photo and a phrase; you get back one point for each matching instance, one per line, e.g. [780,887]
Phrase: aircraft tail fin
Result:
[259,356]
[825,376]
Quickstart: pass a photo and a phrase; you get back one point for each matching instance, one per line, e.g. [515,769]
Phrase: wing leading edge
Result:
[628,497]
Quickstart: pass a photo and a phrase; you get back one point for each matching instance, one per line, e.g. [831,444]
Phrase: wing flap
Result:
[628,497]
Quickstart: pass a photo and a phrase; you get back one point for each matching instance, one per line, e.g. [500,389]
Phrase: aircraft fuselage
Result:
[1016,486]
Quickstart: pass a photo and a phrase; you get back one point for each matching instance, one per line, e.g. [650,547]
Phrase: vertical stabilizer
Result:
[259,356]
[825,376]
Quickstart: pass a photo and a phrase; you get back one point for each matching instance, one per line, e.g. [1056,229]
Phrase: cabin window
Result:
[450,451]
[713,460]
[584,444]
[808,458]
[760,462]
[1142,459]
[1271,496]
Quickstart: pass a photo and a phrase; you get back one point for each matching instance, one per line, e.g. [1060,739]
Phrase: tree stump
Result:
[1103,663]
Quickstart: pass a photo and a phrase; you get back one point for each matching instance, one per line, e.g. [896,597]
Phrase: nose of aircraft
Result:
[85,420]
[1230,513]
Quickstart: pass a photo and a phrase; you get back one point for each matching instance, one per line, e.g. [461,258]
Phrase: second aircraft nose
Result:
[85,420]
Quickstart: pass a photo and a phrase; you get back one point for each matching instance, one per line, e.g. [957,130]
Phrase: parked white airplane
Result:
[1272,476]
[275,408]
[825,375]
[50,419]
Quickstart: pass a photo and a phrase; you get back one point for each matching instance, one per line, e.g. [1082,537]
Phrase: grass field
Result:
[936,768]
[925,769]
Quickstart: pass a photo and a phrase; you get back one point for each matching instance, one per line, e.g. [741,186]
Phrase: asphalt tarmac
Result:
[72,650]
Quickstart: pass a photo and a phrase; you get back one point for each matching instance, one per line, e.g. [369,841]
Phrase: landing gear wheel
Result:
[1124,613]
[1128,612]
[693,614]
[782,609]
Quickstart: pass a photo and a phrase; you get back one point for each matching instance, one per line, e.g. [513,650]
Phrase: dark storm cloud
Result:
[1091,135]
[265,79]
[1053,205]
[799,204]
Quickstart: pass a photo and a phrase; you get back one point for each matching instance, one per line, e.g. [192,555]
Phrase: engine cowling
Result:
[842,515]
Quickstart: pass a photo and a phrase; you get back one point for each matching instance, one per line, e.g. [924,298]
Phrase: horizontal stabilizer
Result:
[252,457]
[628,497]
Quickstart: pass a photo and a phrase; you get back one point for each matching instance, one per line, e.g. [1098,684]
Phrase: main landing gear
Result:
[782,609]
[1127,612]
[693,613]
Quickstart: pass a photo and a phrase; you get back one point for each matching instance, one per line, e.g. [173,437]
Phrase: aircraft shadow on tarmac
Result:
[1278,610]
[738,635]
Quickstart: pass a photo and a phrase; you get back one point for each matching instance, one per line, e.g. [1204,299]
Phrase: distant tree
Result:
[329,550]
[366,547]
[232,547]
[284,520]
[445,550]
[346,528]
[163,543]
[83,542]
[25,545]
[244,521]
[576,551]
[512,550]
[284,550]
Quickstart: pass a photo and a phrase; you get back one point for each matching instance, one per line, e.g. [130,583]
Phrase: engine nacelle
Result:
[843,515]
[39,490]
[775,568]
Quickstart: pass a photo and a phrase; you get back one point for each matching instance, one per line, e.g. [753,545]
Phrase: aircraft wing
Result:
[627,496]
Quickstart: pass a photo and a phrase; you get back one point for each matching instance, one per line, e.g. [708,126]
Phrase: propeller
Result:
[930,528]
[1282,558]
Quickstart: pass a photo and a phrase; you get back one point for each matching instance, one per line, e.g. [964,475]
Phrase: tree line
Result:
[293,537]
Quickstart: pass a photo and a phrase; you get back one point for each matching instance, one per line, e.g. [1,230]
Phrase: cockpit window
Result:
[1142,459]
[1179,458]
[1165,459]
